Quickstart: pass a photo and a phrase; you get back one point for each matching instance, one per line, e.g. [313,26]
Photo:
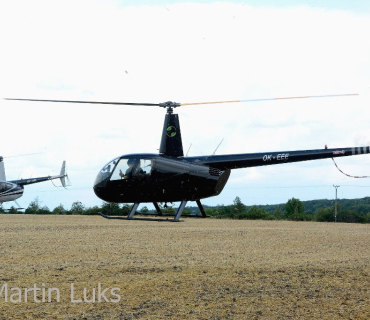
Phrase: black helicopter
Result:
[170,176]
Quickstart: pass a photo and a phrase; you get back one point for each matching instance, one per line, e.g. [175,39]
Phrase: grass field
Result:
[197,269]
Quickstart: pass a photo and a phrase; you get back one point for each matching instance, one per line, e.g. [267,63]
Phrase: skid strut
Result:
[201,209]
[159,211]
[133,210]
[180,210]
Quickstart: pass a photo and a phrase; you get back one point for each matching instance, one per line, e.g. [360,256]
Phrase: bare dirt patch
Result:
[197,269]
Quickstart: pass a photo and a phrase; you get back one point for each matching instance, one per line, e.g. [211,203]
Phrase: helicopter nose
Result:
[101,180]
[99,191]
[100,184]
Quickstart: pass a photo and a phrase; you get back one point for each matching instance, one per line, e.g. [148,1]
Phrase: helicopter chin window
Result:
[128,168]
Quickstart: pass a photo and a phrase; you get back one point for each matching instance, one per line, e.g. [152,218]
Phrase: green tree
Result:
[59,210]
[144,209]
[92,211]
[33,207]
[44,210]
[13,210]
[126,209]
[168,209]
[255,213]
[112,209]
[351,216]
[278,213]
[344,215]
[238,210]
[238,205]
[222,211]
[367,218]
[324,214]
[235,211]
[209,212]
[77,208]
[294,209]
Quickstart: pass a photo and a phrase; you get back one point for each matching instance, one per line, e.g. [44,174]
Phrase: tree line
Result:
[356,211]
[294,209]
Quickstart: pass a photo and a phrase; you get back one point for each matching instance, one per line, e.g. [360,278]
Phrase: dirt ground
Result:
[196,269]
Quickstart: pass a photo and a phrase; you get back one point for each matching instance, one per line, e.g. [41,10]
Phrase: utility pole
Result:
[336,192]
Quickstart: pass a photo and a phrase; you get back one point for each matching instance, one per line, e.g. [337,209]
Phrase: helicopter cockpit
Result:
[7,186]
[10,191]
[128,168]
[124,168]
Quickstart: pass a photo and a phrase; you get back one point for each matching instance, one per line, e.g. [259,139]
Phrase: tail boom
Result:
[61,176]
[237,161]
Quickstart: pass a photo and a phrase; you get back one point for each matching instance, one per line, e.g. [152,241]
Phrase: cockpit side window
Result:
[132,167]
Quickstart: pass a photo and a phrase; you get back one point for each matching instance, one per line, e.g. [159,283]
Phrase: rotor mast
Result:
[171,142]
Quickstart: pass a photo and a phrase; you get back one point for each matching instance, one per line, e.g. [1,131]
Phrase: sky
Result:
[137,51]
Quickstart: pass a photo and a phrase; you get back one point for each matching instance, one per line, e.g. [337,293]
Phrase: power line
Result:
[290,187]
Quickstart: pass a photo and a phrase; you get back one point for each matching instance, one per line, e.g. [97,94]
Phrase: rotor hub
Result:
[169,105]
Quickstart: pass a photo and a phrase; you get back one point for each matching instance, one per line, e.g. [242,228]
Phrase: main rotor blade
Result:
[269,99]
[174,104]
[90,102]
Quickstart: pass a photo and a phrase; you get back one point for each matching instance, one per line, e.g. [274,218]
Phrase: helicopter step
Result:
[159,213]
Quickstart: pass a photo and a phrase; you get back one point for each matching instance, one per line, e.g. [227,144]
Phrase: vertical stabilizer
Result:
[171,143]
[63,174]
[2,170]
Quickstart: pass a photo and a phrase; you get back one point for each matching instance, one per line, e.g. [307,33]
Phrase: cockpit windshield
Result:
[105,173]
[7,186]
[131,167]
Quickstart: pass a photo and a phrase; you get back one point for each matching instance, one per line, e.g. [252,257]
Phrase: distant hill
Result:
[361,205]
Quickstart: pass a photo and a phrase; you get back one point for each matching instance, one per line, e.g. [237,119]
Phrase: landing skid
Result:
[159,213]
[171,215]
[137,218]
